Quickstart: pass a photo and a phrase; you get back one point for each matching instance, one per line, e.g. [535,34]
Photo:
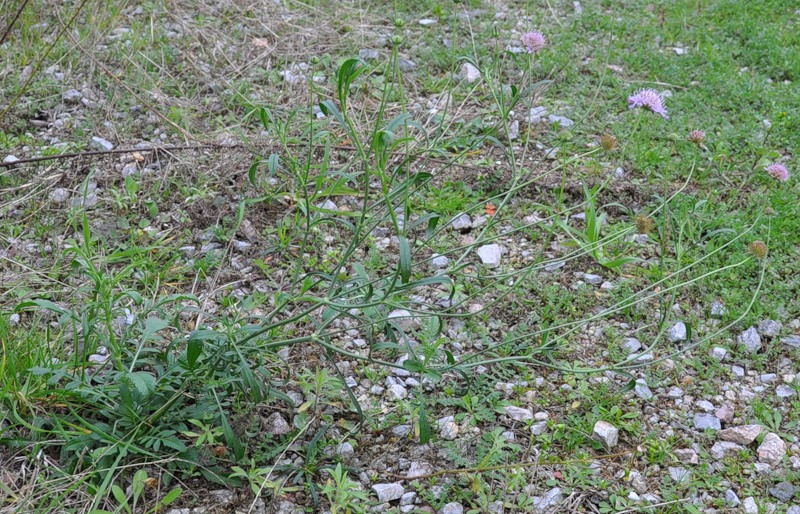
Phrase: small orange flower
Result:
[490,209]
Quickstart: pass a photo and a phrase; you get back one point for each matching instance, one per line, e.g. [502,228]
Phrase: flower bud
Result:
[608,142]
[758,248]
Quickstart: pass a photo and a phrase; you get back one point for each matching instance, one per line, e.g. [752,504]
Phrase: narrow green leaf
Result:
[44,304]
[264,115]
[138,482]
[230,437]
[171,496]
[432,222]
[427,281]
[629,386]
[619,262]
[251,173]
[424,425]
[119,495]
[274,163]
[194,348]
[87,233]
[405,260]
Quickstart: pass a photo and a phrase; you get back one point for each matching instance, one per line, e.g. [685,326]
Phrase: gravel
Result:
[59,196]
[750,506]
[469,72]
[750,340]
[98,143]
[418,469]
[439,261]
[388,492]
[732,499]
[461,222]
[345,450]
[784,492]
[452,508]
[718,310]
[680,475]
[539,428]
[705,405]
[595,280]
[677,332]
[401,430]
[722,448]
[548,502]
[562,121]
[768,378]
[276,425]
[368,54]
[71,96]
[725,413]
[631,344]
[403,318]
[396,392]
[706,422]
[536,114]
[770,328]
[554,266]
[406,65]
[449,430]
[642,390]
[791,341]
[518,413]
[490,255]
[687,455]
[606,433]
[719,353]
[772,449]
[744,434]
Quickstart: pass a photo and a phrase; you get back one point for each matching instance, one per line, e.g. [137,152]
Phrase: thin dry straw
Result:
[39,64]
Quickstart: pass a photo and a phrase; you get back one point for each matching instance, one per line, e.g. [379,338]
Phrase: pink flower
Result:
[534,40]
[778,171]
[649,99]
[697,137]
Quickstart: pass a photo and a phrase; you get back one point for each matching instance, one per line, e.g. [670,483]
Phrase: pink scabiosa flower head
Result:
[697,137]
[649,99]
[608,142]
[534,41]
[758,248]
[778,171]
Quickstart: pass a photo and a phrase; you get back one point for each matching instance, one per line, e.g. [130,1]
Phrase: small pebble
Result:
[606,433]
[388,492]
[98,143]
[677,332]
